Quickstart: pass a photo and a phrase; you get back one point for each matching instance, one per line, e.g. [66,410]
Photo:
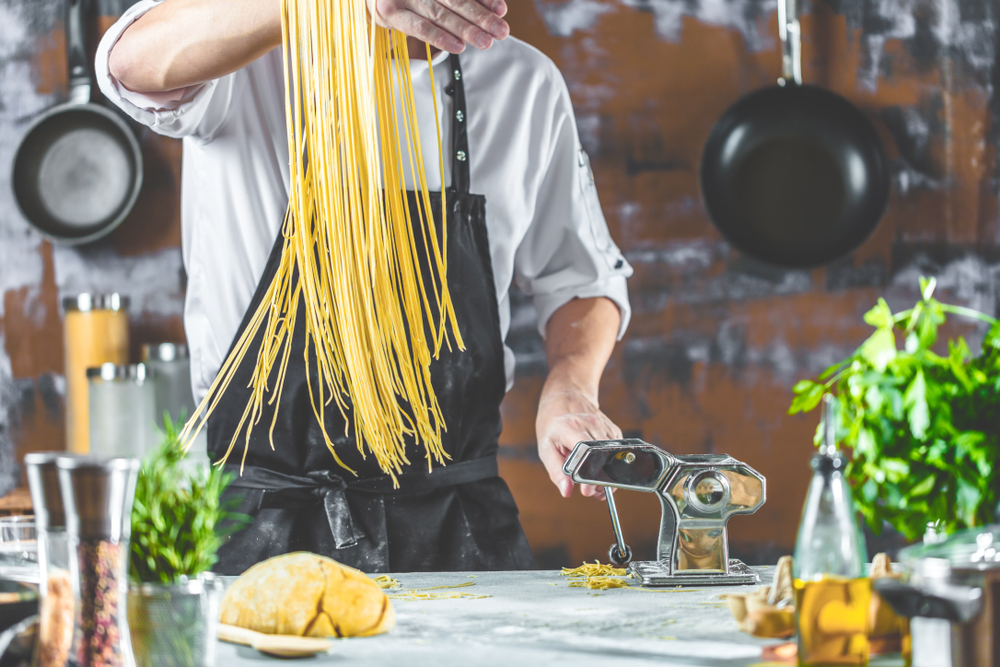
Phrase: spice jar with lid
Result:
[98,494]
[56,609]
[122,410]
[171,367]
[95,333]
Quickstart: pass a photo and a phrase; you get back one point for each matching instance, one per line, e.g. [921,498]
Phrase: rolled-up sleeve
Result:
[196,111]
[567,252]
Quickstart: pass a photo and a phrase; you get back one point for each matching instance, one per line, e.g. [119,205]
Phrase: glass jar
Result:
[175,625]
[95,333]
[98,494]
[122,410]
[56,608]
[19,549]
[171,368]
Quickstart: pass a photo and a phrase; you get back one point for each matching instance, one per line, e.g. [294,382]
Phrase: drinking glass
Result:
[19,549]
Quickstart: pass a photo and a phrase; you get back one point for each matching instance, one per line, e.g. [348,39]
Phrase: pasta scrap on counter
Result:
[601,576]
[596,576]
[438,593]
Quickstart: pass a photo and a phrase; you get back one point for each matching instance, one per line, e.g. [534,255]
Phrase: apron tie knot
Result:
[331,490]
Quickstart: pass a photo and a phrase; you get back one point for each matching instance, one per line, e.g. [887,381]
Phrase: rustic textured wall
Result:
[716,339]
[142,258]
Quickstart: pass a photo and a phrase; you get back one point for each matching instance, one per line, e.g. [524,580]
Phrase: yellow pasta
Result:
[596,576]
[438,593]
[351,253]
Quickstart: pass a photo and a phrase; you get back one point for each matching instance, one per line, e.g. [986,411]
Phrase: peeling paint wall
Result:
[141,259]
[717,339]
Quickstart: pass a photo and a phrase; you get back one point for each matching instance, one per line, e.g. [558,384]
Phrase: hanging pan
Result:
[78,170]
[793,174]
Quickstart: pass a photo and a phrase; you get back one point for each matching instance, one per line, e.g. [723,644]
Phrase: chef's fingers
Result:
[553,459]
[414,25]
[446,24]
[483,14]
[601,428]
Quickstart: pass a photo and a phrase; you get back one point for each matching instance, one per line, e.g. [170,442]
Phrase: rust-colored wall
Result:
[716,339]
[141,258]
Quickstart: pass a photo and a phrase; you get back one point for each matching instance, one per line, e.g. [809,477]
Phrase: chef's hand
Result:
[445,24]
[565,417]
[579,339]
[182,43]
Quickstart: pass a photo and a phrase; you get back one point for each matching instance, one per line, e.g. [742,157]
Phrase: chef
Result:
[523,207]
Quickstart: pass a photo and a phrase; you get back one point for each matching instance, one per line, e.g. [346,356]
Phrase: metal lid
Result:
[91,462]
[109,372]
[164,352]
[87,302]
[43,480]
[972,549]
[98,493]
[185,586]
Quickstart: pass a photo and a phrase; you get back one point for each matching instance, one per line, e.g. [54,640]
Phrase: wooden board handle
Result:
[285,646]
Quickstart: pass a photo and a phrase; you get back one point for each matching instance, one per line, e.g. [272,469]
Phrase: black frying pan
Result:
[78,170]
[794,175]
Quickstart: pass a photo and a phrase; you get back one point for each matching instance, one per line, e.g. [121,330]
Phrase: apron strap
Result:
[459,129]
[281,491]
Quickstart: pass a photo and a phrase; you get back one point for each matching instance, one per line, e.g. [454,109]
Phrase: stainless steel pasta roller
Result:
[698,494]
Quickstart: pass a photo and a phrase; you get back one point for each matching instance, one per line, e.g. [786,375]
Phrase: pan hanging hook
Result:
[791,42]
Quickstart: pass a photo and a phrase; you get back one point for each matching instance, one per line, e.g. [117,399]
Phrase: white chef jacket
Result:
[544,221]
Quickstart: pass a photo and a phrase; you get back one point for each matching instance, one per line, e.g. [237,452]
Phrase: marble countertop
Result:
[535,618]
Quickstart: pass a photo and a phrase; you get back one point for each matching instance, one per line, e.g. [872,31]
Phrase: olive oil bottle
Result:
[832,594]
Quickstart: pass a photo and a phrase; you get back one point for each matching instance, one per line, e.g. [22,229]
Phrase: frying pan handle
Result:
[791,42]
[76,50]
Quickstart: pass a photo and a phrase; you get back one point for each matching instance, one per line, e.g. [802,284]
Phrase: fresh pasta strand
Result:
[352,254]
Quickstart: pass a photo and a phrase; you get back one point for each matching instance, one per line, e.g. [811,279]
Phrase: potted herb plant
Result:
[923,427]
[177,529]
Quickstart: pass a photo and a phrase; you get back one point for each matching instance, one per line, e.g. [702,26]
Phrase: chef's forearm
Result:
[579,339]
[180,43]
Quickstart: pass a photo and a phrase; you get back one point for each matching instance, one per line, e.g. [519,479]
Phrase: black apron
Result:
[458,517]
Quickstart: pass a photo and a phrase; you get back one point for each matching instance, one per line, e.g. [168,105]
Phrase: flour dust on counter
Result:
[534,617]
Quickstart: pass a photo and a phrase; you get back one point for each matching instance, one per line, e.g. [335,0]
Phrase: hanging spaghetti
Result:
[351,256]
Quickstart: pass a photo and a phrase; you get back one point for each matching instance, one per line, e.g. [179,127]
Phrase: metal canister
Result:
[122,410]
[57,608]
[96,332]
[98,493]
[172,368]
[955,582]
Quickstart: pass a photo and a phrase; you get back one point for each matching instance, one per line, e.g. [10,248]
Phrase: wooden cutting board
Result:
[282,646]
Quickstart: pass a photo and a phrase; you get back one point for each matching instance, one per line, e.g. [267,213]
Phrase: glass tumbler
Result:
[19,549]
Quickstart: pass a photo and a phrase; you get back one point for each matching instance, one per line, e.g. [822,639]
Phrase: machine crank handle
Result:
[619,553]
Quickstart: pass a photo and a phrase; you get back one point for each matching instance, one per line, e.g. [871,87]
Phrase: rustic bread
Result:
[307,595]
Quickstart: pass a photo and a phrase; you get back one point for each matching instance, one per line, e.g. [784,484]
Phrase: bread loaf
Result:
[307,595]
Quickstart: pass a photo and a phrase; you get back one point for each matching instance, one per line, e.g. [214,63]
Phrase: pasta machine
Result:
[698,494]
